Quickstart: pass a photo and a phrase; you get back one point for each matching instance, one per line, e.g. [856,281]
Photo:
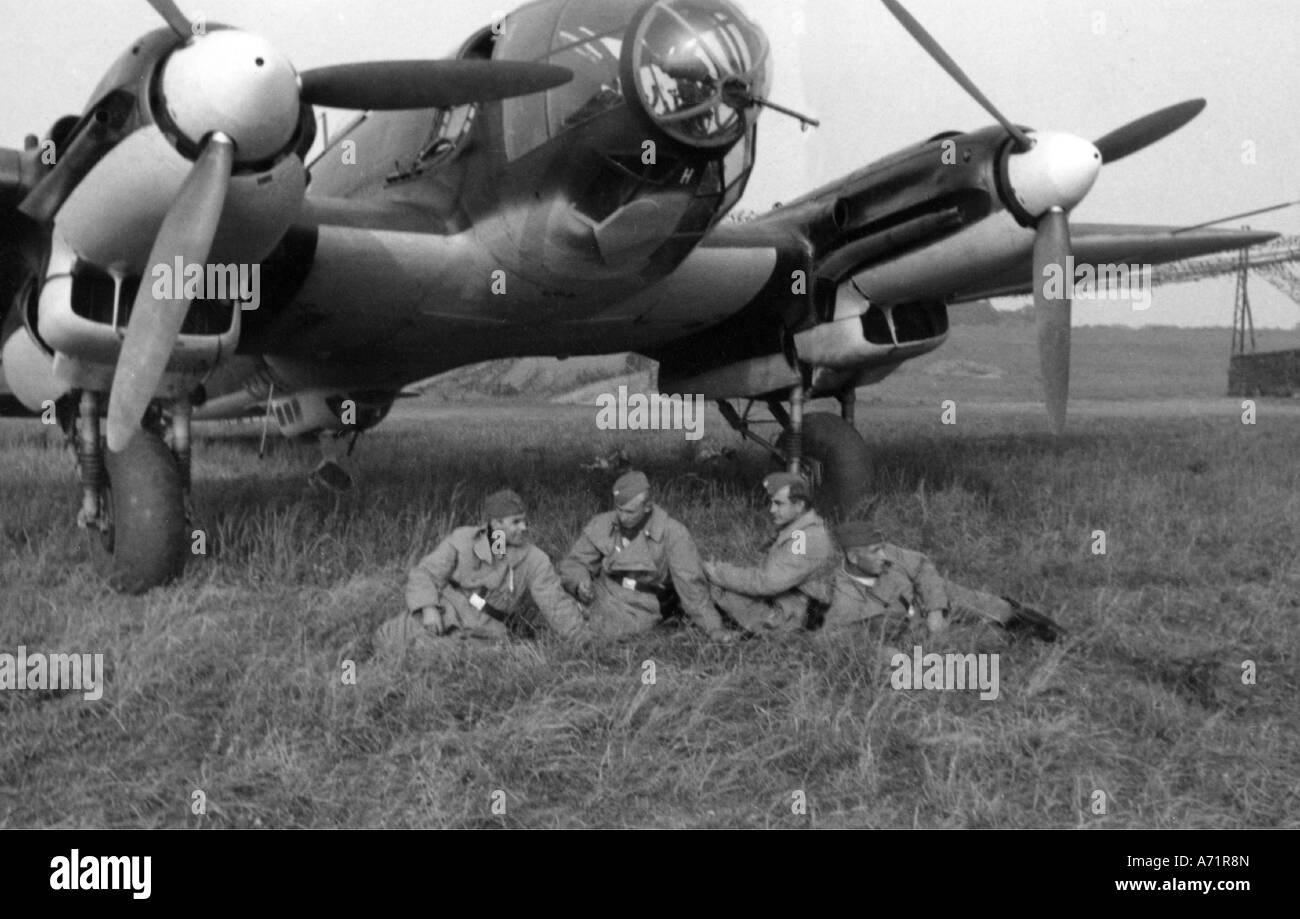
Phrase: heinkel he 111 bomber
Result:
[556,188]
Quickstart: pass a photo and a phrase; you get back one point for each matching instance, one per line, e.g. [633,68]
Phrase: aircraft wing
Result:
[1097,244]
[993,260]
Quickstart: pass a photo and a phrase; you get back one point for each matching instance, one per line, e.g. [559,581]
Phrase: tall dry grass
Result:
[230,681]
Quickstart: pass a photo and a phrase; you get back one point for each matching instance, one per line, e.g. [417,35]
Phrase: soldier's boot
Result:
[404,633]
[1028,621]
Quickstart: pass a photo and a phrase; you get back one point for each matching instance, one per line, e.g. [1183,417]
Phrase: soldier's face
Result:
[784,511]
[514,529]
[869,560]
[636,510]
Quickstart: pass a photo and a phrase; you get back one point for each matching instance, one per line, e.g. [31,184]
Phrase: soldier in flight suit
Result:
[635,565]
[794,581]
[879,579]
[476,581]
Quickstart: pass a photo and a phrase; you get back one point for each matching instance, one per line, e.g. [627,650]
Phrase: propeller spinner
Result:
[1048,176]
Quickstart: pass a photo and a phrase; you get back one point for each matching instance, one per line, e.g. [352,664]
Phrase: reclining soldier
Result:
[880,579]
[793,584]
[634,566]
[475,584]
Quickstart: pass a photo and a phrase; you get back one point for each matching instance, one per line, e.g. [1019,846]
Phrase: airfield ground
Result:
[230,682]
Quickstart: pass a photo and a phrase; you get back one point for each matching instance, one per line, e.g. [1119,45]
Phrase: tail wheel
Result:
[835,459]
[145,532]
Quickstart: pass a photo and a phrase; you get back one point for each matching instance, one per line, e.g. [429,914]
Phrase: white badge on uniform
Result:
[629,583]
[477,602]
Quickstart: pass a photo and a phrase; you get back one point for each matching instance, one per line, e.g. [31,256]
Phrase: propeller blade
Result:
[935,50]
[179,22]
[1137,135]
[396,85]
[1052,312]
[185,235]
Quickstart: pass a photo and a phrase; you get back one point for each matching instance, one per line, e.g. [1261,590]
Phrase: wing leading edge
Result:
[1102,246]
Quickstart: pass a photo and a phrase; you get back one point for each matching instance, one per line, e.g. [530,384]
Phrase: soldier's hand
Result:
[724,637]
[711,571]
[936,620]
[586,592]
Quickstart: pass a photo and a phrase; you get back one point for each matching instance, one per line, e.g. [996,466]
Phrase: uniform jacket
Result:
[662,554]
[788,576]
[463,564]
[909,581]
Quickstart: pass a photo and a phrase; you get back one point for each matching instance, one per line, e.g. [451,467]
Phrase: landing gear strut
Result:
[135,499]
[825,448]
[90,466]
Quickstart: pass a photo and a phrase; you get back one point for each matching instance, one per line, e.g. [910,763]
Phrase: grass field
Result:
[230,682]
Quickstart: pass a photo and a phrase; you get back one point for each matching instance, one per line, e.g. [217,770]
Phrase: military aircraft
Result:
[556,188]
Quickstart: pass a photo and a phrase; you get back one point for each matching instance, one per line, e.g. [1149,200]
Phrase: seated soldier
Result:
[634,566]
[880,579]
[474,584]
[794,581]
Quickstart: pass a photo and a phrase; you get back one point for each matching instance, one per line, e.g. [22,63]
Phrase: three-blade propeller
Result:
[187,232]
[1055,174]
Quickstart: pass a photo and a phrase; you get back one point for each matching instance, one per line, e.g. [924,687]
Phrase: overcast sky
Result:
[1083,66]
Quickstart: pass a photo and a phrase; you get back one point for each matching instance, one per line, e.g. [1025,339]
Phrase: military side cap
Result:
[629,487]
[503,504]
[798,487]
[855,534]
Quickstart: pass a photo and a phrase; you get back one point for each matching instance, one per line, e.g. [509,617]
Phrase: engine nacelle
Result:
[83,314]
[122,163]
[112,217]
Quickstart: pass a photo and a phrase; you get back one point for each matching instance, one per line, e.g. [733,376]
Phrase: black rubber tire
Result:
[146,537]
[837,461]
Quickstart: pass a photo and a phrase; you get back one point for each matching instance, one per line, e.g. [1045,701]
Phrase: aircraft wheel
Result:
[835,460]
[145,504]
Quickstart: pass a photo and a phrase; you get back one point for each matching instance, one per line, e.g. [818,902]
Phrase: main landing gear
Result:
[136,500]
[825,448]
